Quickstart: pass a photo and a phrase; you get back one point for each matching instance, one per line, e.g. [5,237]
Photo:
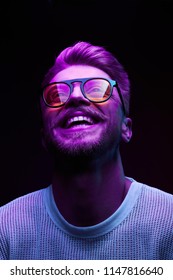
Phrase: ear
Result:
[126,129]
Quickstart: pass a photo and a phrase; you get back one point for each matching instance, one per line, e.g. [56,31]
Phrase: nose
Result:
[77,98]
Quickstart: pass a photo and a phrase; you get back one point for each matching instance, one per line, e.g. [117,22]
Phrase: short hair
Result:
[84,53]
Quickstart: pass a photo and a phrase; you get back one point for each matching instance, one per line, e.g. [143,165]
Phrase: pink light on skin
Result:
[104,119]
[87,157]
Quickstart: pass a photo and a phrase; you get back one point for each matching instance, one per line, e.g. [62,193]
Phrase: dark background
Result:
[33,32]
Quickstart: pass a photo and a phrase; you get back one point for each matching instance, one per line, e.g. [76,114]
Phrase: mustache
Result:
[91,112]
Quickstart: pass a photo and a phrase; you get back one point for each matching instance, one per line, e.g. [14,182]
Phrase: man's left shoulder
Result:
[158,196]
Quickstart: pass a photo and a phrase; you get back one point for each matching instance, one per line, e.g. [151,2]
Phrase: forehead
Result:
[79,71]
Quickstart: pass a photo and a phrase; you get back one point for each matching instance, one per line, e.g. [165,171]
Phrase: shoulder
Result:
[154,193]
[156,204]
[153,201]
[22,204]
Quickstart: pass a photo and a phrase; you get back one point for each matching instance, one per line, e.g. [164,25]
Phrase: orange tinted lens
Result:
[97,90]
[56,94]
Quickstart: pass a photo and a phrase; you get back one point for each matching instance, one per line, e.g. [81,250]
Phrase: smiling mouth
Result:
[79,122]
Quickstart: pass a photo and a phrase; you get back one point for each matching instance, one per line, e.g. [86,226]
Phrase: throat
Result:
[89,206]
[92,194]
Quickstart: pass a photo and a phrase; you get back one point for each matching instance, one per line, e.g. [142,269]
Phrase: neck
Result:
[88,193]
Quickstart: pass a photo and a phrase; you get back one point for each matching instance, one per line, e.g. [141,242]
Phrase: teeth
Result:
[79,118]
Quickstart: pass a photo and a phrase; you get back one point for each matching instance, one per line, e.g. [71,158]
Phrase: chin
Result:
[79,145]
[81,149]
[76,151]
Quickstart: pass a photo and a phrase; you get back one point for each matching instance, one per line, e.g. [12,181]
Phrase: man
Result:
[91,210]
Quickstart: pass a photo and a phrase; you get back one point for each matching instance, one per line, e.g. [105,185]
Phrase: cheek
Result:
[47,123]
[115,122]
[49,115]
[113,112]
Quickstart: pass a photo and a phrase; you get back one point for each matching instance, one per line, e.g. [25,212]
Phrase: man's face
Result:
[81,127]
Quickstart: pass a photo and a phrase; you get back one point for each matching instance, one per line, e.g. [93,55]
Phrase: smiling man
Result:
[91,210]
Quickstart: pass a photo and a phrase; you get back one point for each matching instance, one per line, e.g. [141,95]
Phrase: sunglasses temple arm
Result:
[121,98]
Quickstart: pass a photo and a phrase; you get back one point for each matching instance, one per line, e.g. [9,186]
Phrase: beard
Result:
[75,147]
[79,149]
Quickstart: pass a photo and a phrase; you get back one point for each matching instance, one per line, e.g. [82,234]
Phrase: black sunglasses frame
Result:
[113,83]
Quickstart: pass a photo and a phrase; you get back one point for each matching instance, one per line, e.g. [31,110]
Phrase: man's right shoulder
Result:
[24,202]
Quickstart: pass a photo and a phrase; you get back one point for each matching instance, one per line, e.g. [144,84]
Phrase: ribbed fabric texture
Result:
[31,227]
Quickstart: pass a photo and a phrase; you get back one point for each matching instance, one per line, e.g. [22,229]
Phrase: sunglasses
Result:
[96,90]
